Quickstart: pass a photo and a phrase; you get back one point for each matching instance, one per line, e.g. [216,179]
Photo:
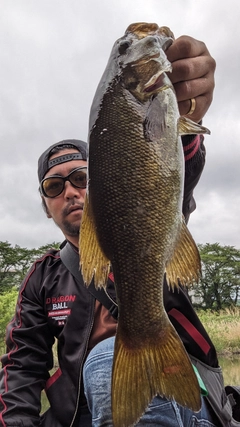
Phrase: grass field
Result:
[224,329]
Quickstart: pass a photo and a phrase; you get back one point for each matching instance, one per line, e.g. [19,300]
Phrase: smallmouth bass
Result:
[132,219]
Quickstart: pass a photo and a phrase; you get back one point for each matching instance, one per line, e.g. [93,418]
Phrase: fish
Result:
[132,219]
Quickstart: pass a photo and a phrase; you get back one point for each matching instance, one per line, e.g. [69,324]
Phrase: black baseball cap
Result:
[44,164]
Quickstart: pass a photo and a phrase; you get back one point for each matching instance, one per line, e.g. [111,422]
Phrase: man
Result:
[53,305]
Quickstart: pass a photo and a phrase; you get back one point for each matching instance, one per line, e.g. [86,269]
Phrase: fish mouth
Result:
[156,82]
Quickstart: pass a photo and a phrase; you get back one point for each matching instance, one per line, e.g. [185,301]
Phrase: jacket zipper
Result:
[109,297]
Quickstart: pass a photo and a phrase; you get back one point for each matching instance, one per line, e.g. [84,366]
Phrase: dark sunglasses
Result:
[53,185]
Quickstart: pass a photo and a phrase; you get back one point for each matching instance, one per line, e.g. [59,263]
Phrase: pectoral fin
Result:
[185,263]
[93,262]
[188,127]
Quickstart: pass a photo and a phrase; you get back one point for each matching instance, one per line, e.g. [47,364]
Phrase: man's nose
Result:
[70,191]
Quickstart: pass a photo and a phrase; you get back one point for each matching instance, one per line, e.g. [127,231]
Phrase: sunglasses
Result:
[53,185]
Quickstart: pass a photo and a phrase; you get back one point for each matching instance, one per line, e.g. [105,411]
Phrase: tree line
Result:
[15,263]
[219,286]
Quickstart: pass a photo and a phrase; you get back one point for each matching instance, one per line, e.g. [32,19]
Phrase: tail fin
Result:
[139,374]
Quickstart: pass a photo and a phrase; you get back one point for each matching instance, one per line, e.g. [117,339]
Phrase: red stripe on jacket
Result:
[191,330]
[193,146]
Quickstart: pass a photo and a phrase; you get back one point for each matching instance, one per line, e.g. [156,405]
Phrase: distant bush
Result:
[7,307]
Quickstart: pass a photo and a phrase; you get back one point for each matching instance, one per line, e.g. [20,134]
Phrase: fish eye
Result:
[123,47]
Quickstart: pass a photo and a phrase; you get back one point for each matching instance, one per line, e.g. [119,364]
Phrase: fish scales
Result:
[133,229]
[132,217]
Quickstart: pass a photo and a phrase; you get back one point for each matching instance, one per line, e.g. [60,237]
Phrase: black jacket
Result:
[52,305]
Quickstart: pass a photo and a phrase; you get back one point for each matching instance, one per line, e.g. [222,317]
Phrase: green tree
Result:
[7,306]
[219,286]
[14,264]
[16,261]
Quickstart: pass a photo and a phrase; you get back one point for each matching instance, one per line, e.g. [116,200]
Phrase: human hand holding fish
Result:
[192,75]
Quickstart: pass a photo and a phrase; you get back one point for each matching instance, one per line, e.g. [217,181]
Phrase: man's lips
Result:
[73,208]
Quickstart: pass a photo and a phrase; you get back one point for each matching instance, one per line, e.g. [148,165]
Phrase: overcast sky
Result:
[52,57]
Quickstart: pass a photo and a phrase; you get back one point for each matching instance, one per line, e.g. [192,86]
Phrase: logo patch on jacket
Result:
[59,308]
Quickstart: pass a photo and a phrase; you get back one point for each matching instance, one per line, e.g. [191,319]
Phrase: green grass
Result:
[223,328]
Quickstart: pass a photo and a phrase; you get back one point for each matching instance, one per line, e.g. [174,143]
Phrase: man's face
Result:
[66,209]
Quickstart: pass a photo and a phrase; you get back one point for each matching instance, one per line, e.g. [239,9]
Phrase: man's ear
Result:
[45,208]
[48,213]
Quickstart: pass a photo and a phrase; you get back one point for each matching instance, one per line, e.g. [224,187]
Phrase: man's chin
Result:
[71,229]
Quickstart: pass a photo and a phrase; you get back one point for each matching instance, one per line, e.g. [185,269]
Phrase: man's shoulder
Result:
[50,256]
[46,264]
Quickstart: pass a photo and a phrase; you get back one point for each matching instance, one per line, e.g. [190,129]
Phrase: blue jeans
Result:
[97,373]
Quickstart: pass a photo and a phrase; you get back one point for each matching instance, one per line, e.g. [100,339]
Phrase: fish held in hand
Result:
[133,220]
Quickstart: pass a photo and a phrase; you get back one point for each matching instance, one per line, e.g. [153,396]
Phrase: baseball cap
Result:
[44,164]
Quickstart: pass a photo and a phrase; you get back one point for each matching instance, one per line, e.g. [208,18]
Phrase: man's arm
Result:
[27,362]
[194,154]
